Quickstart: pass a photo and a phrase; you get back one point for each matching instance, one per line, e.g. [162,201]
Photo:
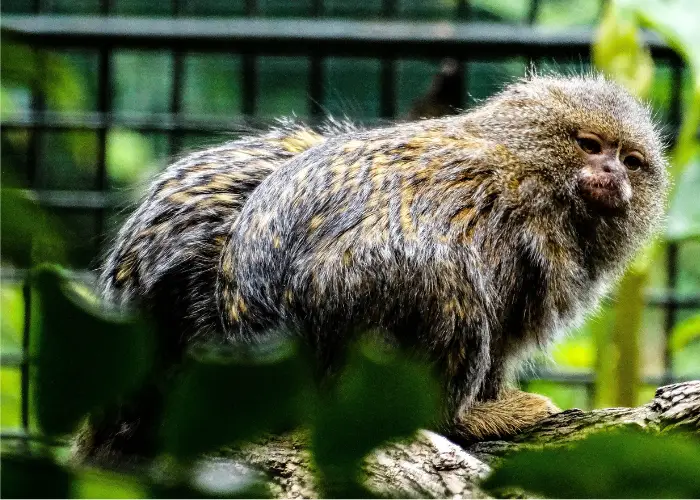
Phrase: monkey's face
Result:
[584,141]
[603,181]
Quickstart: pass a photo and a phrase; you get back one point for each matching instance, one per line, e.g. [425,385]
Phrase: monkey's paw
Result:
[503,417]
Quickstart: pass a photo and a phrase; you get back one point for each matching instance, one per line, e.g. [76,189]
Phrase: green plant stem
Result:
[626,337]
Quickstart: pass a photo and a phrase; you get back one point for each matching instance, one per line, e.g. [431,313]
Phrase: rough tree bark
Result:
[431,466]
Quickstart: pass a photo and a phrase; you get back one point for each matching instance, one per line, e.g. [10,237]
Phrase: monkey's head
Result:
[587,142]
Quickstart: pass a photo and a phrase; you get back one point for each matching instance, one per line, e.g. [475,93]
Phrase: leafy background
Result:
[142,86]
[621,342]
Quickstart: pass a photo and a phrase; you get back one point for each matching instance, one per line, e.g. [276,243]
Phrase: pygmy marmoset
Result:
[471,239]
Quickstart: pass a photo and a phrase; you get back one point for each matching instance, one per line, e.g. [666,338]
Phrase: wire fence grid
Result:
[387,39]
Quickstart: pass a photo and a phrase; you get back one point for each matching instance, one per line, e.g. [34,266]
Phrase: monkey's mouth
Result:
[604,191]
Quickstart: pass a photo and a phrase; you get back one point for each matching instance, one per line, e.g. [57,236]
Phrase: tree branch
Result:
[430,465]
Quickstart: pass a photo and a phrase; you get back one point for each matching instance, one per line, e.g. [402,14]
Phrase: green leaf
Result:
[606,465]
[28,233]
[33,477]
[380,396]
[53,76]
[11,318]
[684,212]
[10,399]
[226,395]
[619,52]
[85,358]
[676,21]
[98,483]
[17,64]
[685,332]
[129,154]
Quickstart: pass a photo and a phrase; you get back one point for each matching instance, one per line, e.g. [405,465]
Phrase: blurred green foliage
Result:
[619,52]
[34,477]
[266,389]
[84,359]
[80,353]
[684,212]
[685,332]
[32,234]
[606,465]
[379,396]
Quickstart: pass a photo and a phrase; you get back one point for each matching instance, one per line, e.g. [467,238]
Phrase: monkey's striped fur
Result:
[167,253]
[165,261]
[463,238]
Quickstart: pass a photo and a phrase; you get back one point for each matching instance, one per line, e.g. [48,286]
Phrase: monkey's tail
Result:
[166,255]
[165,260]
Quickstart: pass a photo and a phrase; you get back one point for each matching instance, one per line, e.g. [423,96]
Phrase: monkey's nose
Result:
[613,167]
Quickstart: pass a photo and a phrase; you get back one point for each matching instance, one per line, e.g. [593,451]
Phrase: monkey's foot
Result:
[503,417]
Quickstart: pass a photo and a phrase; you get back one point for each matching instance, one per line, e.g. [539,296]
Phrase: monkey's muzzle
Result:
[608,191]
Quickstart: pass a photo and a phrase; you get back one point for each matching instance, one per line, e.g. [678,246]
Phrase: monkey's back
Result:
[369,229]
[167,253]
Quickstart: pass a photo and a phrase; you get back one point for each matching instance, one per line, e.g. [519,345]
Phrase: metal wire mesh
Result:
[313,37]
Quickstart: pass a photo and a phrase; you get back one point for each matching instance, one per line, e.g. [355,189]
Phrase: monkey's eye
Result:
[633,161]
[589,145]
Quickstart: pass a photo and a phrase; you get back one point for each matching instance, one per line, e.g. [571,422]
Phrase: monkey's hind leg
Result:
[512,412]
